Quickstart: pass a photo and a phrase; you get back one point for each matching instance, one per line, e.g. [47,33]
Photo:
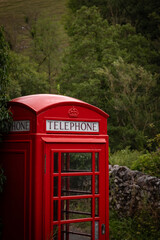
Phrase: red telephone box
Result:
[56,163]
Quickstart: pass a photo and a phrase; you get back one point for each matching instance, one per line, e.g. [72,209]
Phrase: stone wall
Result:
[130,191]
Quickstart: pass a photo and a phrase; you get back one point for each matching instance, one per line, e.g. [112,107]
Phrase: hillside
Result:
[13,14]
[16,10]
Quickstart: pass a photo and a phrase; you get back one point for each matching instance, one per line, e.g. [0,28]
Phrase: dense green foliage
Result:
[46,48]
[111,61]
[119,71]
[5,117]
[143,226]
[142,14]
[125,157]
[113,67]
[148,163]
[24,77]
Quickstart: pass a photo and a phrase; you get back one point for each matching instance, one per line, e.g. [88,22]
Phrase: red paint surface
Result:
[27,158]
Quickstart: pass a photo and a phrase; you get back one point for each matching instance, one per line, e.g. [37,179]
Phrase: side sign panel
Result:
[20,126]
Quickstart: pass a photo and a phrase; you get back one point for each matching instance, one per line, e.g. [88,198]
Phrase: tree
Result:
[75,5]
[95,45]
[5,116]
[47,51]
[24,77]
[87,31]
[132,108]
[142,14]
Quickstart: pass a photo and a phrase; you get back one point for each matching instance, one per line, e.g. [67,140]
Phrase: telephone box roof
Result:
[41,102]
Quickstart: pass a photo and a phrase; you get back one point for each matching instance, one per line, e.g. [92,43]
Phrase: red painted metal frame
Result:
[37,109]
[23,151]
[27,151]
[103,192]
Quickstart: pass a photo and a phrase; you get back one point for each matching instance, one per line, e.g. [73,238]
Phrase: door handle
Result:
[103,229]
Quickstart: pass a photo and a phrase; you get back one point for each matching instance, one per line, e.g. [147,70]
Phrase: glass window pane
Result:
[55,162]
[76,185]
[55,210]
[76,162]
[96,207]
[76,208]
[55,233]
[55,186]
[75,231]
[96,230]
[96,184]
[97,162]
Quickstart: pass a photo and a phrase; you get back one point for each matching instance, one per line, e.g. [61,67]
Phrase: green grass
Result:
[13,14]
[11,9]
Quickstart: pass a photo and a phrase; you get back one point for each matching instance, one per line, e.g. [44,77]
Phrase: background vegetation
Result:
[104,52]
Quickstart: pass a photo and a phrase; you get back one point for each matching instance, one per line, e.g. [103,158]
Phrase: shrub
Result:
[148,163]
[147,224]
[143,226]
[124,157]
[119,228]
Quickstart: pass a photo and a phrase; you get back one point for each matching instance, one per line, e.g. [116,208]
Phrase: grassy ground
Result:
[14,12]
[10,9]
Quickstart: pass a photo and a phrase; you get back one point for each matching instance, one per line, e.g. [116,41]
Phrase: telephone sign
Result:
[72,126]
[20,126]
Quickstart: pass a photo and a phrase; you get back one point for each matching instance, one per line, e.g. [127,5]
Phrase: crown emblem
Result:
[73,112]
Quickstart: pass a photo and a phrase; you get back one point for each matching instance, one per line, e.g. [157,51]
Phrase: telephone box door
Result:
[75,191]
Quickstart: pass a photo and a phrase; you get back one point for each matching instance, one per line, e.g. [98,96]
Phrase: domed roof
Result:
[41,102]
